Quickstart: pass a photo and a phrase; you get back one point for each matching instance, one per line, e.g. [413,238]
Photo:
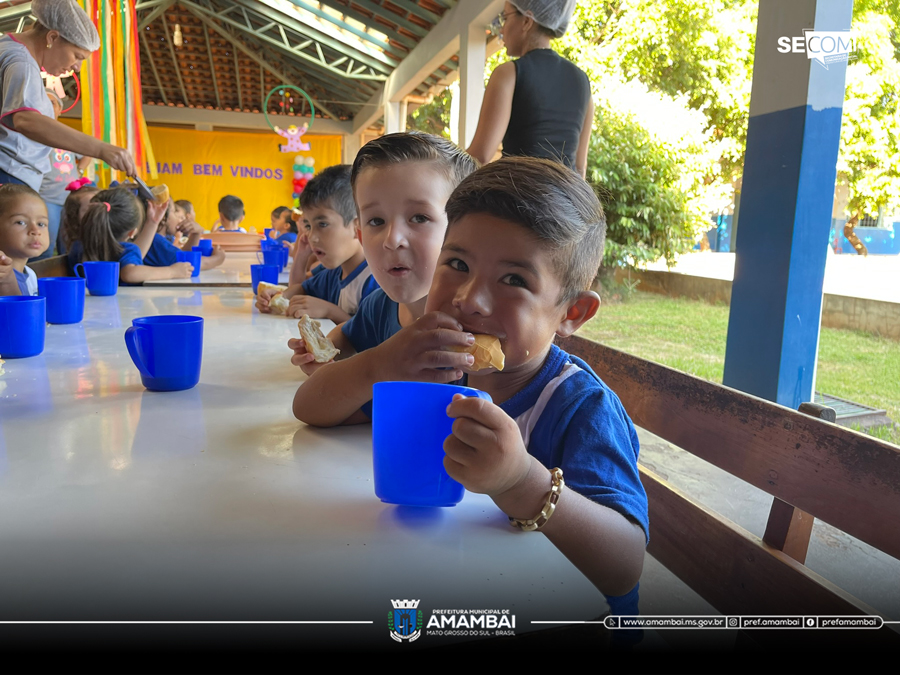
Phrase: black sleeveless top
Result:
[548,108]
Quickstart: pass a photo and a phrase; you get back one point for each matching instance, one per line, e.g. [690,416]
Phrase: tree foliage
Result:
[671,85]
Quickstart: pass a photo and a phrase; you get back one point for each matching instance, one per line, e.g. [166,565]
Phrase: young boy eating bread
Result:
[524,241]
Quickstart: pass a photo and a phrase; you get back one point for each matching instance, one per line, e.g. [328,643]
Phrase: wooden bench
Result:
[235,241]
[54,266]
[812,468]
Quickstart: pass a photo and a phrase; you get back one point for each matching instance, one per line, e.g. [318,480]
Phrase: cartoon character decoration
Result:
[304,168]
[294,136]
[64,163]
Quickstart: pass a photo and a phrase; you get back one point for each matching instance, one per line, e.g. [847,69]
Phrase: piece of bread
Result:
[271,289]
[160,193]
[1,366]
[487,352]
[316,343]
[279,304]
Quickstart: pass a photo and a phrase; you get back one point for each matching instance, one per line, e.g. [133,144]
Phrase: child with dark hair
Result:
[24,234]
[524,243]
[280,222]
[111,219]
[331,234]
[73,211]
[401,183]
[231,214]
[163,252]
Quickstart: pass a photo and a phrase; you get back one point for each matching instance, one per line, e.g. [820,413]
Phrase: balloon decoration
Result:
[304,168]
[290,103]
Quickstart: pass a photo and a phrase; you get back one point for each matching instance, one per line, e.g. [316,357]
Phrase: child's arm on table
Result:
[487,455]
[214,260]
[317,308]
[8,283]
[155,213]
[138,274]
[332,395]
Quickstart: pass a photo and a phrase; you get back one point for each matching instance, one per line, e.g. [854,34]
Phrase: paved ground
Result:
[866,573]
[876,277]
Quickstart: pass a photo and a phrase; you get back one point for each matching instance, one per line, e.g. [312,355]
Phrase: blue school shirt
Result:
[27,281]
[287,236]
[170,238]
[345,293]
[374,322]
[161,253]
[131,255]
[569,418]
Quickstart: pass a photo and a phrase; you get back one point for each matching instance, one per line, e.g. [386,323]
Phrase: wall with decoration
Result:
[204,166]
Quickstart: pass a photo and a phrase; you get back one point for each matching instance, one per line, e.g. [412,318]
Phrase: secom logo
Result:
[825,46]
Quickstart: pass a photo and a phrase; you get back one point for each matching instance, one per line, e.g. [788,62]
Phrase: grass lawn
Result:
[690,335]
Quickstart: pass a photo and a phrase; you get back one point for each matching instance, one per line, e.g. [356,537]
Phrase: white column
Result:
[392,119]
[350,145]
[472,56]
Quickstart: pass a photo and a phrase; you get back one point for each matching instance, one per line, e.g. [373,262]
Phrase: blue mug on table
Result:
[285,256]
[23,321]
[101,278]
[167,350]
[267,273]
[269,256]
[65,298]
[192,257]
[205,246]
[409,426]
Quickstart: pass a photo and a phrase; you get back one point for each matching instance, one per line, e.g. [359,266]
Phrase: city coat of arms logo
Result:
[405,620]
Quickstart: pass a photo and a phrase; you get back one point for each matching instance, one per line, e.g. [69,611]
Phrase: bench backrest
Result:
[54,266]
[812,467]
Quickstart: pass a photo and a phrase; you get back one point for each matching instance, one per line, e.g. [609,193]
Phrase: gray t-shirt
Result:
[21,88]
[63,170]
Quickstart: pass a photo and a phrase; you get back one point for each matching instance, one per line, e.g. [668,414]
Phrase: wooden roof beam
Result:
[162,91]
[168,37]
[248,52]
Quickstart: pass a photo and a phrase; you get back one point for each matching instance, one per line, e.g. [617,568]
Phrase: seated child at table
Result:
[331,231]
[186,216]
[231,214]
[524,242]
[163,253]
[24,234]
[111,219]
[73,211]
[401,183]
[287,229]
[277,221]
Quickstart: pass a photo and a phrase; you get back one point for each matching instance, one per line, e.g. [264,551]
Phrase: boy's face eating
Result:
[24,229]
[402,217]
[495,277]
[330,239]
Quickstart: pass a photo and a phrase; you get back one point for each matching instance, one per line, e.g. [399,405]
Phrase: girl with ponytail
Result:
[110,231]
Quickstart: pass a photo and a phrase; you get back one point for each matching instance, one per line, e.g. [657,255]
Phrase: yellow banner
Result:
[204,166]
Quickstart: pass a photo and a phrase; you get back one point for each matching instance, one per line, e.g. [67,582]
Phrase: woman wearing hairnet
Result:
[540,104]
[60,39]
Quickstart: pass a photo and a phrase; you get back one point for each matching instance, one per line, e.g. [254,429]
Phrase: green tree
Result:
[870,128]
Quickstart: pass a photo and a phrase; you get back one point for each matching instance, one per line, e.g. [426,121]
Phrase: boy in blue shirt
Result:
[329,215]
[524,242]
[401,183]
[163,252]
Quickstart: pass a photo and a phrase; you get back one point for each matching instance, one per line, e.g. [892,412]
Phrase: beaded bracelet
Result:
[556,486]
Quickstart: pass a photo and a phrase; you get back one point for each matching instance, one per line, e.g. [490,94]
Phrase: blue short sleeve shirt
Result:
[345,293]
[161,253]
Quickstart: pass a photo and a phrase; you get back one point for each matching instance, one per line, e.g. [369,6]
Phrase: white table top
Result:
[216,504]
[234,271]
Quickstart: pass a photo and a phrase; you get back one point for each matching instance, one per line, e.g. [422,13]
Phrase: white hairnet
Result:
[554,15]
[67,17]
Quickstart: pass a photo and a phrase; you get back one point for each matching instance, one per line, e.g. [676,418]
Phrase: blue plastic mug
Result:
[409,426]
[268,232]
[192,257]
[270,256]
[65,298]
[23,320]
[285,256]
[101,278]
[167,350]
[205,246]
[267,273]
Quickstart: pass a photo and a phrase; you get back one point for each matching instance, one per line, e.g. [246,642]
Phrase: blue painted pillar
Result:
[788,190]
